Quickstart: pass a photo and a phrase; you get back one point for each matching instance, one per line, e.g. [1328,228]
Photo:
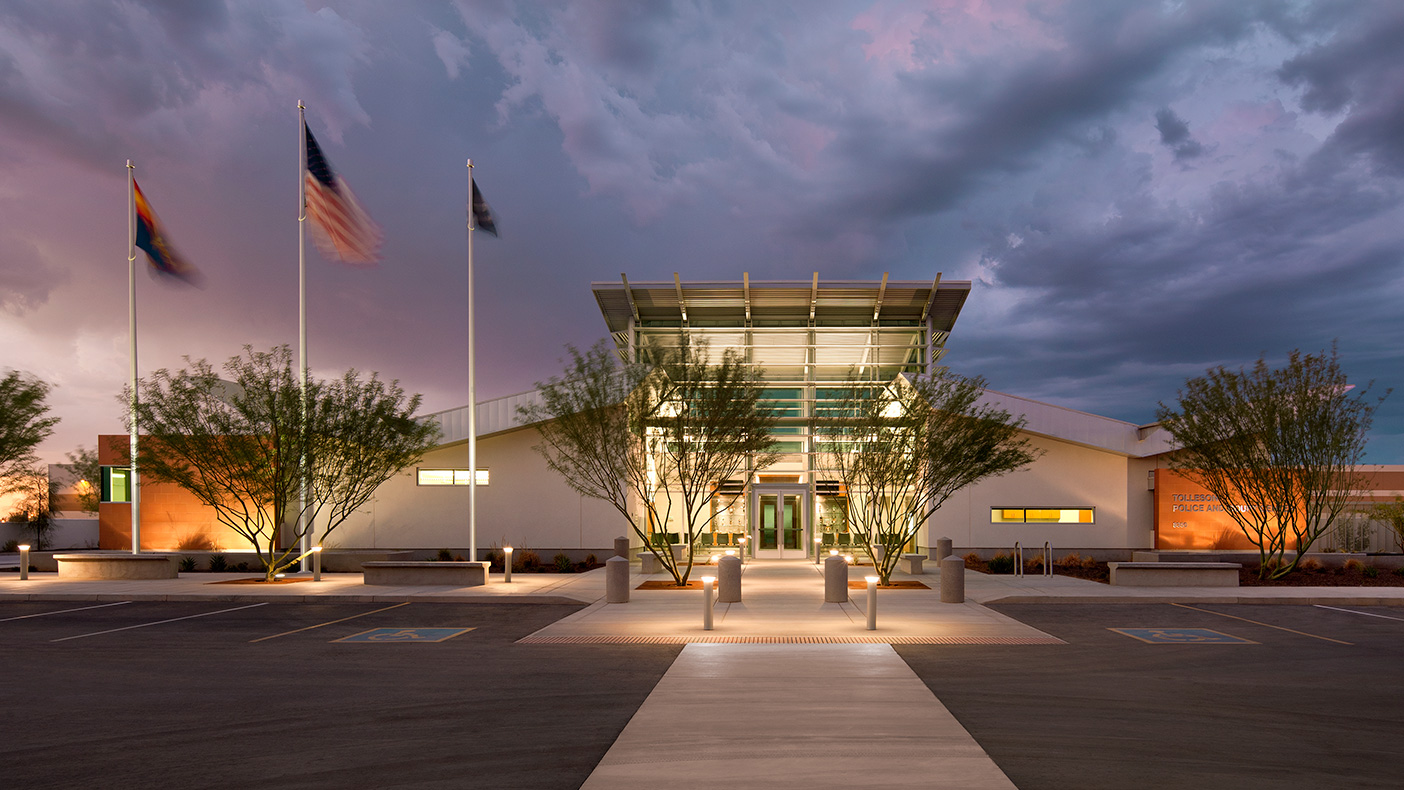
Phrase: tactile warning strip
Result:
[790,640]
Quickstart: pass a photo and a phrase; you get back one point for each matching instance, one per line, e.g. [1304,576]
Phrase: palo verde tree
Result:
[36,504]
[24,423]
[656,437]
[1278,447]
[902,449]
[237,445]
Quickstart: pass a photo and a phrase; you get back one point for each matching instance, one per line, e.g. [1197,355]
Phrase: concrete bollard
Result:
[707,582]
[953,580]
[621,547]
[943,548]
[835,580]
[872,602]
[648,563]
[729,579]
[616,580]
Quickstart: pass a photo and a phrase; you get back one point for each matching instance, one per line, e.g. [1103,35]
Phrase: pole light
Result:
[24,561]
[707,602]
[316,563]
[872,602]
[506,564]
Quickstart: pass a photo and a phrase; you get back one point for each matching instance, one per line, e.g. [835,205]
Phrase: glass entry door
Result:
[780,525]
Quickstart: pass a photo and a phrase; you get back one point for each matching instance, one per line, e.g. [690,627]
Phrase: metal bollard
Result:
[617,580]
[506,564]
[24,562]
[729,579]
[316,563]
[818,543]
[943,548]
[707,602]
[872,602]
[835,579]
[953,580]
[621,547]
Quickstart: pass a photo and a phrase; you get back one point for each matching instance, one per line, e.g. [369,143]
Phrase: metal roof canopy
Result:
[703,302]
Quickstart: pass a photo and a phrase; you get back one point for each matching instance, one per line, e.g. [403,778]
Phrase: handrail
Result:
[1018,560]
[1048,558]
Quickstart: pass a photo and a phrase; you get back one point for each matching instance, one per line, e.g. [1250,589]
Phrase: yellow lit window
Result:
[450,477]
[1042,515]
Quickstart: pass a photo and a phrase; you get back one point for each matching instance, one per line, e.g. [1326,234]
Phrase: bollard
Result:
[943,548]
[24,562]
[872,602]
[621,547]
[818,543]
[506,564]
[681,551]
[707,602]
[835,580]
[729,579]
[316,563]
[744,540]
[953,580]
[616,580]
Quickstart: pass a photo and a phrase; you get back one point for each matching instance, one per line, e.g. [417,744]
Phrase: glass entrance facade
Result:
[806,337]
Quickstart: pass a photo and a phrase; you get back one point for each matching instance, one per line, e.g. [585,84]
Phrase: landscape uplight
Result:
[24,561]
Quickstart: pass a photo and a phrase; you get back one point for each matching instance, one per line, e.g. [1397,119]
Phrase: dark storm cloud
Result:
[1175,135]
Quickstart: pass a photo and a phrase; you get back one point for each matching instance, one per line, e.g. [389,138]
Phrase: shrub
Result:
[187,564]
[1002,563]
[494,559]
[972,560]
[218,563]
[527,560]
[1072,560]
[591,561]
[458,558]
[1309,565]
[241,567]
[10,547]
[444,556]
[564,564]
[196,541]
[1399,571]
[1354,565]
[1088,563]
[1371,572]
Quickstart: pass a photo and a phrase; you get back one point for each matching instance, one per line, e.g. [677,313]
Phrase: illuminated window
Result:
[449,477]
[1041,515]
[116,484]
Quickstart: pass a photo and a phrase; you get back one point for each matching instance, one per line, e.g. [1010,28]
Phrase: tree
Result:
[23,423]
[656,437]
[237,445]
[87,478]
[902,449]
[35,508]
[1391,514]
[1278,447]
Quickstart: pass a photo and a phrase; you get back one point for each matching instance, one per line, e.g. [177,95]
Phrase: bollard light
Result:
[744,540]
[506,564]
[848,558]
[707,602]
[316,563]
[872,602]
[24,561]
[833,552]
[817,540]
[731,552]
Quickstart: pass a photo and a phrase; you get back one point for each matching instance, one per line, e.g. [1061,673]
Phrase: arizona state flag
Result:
[151,238]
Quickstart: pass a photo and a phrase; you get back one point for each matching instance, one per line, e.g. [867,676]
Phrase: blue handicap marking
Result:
[1182,636]
[405,635]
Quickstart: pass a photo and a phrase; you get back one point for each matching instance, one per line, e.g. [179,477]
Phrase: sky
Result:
[1137,190]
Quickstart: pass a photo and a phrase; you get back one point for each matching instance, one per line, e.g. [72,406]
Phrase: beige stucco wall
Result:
[526,505]
[1066,476]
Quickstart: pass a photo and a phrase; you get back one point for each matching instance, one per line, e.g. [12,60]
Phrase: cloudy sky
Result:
[1138,190]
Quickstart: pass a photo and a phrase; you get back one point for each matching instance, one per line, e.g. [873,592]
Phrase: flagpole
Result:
[302,331]
[472,393]
[135,487]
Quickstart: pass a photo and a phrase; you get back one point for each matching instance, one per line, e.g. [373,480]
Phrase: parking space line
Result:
[159,622]
[63,611]
[1352,611]
[333,622]
[1267,625]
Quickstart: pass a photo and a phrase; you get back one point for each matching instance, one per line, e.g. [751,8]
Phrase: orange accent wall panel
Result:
[171,517]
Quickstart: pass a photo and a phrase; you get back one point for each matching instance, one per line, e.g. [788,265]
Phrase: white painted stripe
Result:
[1352,611]
[63,611]
[158,622]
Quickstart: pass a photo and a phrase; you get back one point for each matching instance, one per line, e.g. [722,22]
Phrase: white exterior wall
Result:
[525,504]
[1066,476]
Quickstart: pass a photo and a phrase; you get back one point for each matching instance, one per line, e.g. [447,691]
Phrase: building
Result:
[1101,485]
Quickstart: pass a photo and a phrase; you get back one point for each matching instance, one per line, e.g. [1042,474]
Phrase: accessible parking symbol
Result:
[1182,636]
[405,635]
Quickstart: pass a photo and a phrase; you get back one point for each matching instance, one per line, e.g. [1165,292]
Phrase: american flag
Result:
[340,227]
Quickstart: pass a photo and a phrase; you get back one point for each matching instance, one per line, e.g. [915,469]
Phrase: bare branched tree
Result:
[1278,447]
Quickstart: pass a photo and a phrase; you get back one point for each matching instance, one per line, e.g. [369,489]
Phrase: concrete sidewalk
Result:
[795,716]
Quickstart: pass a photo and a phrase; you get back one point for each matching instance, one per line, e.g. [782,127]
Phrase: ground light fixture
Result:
[316,563]
[872,601]
[848,558]
[833,552]
[817,540]
[24,561]
[743,541]
[707,582]
[506,564]
[731,552]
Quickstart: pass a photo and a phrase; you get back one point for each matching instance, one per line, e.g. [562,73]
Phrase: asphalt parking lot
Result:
[177,695]
[1298,708]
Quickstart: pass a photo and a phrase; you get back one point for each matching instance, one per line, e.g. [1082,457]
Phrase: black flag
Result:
[482,213]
